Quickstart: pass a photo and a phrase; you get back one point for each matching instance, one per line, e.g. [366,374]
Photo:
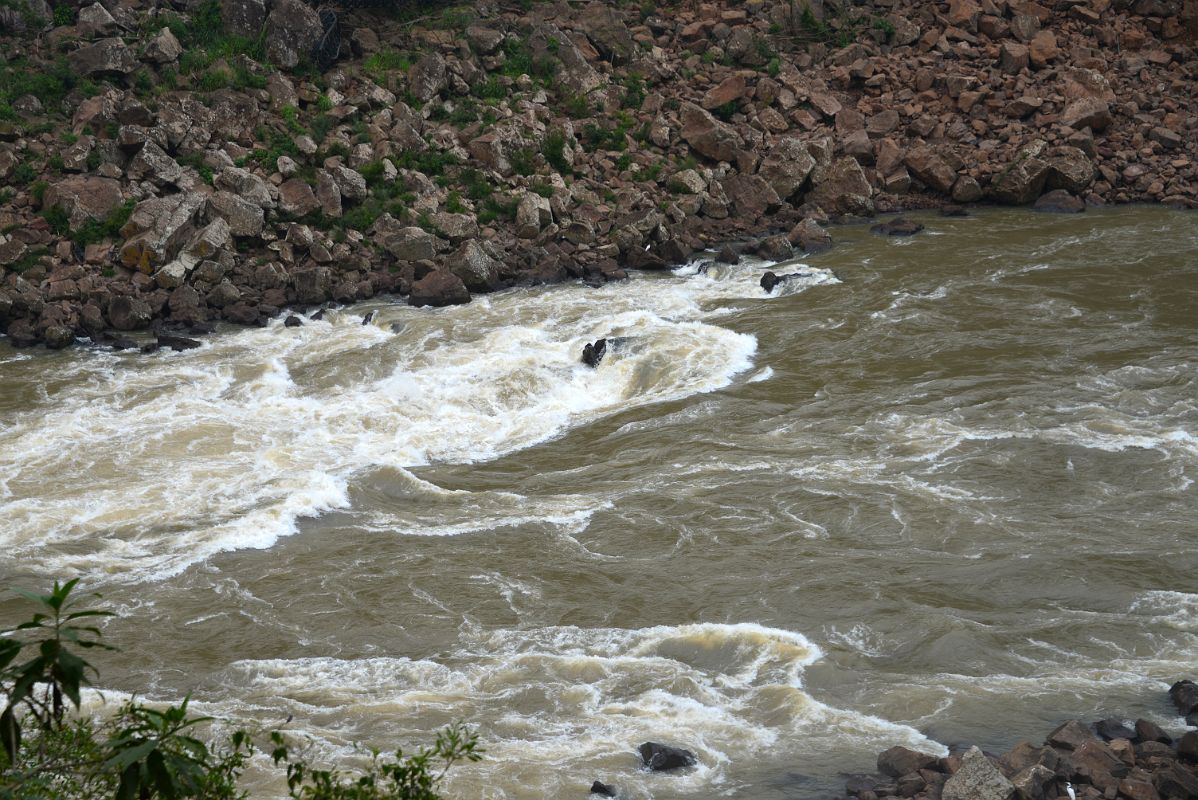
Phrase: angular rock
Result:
[428,76]
[899,761]
[105,56]
[707,136]
[243,17]
[1024,178]
[246,185]
[129,313]
[439,288]
[729,90]
[293,30]
[164,48]
[751,195]
[1184,695]
[297,199]
[660,757]
[1087,112]
[810,236]
[930,169]
[787,167]
[475,267]
[1070,736]
[844,190]
[84,197]
[406,243]
[244,218]
[532,214]
[977,779]
[898,227]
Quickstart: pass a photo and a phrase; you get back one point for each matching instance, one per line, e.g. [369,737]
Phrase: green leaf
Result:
[132,755]
[9,649]
[130,783]
[69,672]
[10,734]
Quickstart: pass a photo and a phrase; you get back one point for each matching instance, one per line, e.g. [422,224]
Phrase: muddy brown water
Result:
[939,491]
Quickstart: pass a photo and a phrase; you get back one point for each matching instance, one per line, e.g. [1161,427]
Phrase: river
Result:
[939,491]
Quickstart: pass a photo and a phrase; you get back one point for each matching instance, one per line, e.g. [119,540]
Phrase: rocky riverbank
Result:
[176,164]
[1108,759]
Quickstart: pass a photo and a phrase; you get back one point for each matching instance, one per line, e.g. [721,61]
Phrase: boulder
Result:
[177,343]
[94,20]
[350,183]
[1070,736]
[532,214]
[707,136]
[153,164]
[1176,782]
[1034,783]
[475,267]
[1147,731]
[428,76]
[787,167]
[660,757]
[1187,747]
[1069,168]
[164,48]
[1111,728]
[729,90]
[605,27]
[455,227]
[771,279]
[810,236]
[1184,695]
[243,17]
[751,195]
[246,185]
[1087,112]
[244,217]
[129,313]
[844,190]
[1094,763]
[930,169]
[439,288]
[84,197]
[158,227]
[406,243]
[899,760]
[297,199]
[104,57]
[593,352]
[775,248]
[977,779]
[603,789]
[1024,178]
[293,30]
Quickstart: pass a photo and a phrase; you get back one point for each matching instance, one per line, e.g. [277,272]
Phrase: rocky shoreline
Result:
[168,165]
[1107,759]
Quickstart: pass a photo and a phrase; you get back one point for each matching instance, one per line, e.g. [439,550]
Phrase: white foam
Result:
[161,462]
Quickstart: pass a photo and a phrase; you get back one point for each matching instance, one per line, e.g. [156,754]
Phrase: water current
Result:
[939,491]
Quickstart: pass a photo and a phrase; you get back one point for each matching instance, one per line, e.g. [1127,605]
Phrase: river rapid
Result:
[939,491]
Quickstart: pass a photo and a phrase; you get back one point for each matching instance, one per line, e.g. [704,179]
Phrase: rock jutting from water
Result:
[1107,759]
[451,157]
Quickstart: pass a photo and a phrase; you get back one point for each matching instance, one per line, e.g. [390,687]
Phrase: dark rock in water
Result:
[319,315]
[1110,729]
[897,227]
[636,258]
[1151,732]
[121,343]
[1192,719]
[661,757]
[592,354]
[727,255]
[602,789]
[439,287]
[177,343]
[1187,747]
[771,279]
[899,761]
[366,320]
[951,210]
[673,251]
[152,347]
[1059,201]
[293,321]
[201,328]
[1184,695]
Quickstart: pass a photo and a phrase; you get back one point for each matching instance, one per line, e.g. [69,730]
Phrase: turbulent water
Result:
[939,491]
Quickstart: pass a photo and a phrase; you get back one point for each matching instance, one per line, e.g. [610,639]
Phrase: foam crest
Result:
[148,465]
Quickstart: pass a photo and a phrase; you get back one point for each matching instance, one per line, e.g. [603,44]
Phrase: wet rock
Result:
[978,779]
[1059,201]
[660,757]
[898,226]
[593,352]
[177,343]
[727,255]
[898,760]
[953,210]
[1111,728]
[439,288]
[1093,762]
[1184,695]
[293,321]
[771,279]
[603,789]
[21,333]
[775,248]
[1176,782]
[1151,732]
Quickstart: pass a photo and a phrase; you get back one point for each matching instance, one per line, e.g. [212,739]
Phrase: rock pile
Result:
[148,176]
[1108,759]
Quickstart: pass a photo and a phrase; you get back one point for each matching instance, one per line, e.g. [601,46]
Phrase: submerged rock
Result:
[1059,201]
[897,227]
[771,279]
[603,789]
[293,322]
[592,354]
[177,343]
[661,757]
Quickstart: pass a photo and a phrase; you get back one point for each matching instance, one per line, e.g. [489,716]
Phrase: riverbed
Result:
[939,490]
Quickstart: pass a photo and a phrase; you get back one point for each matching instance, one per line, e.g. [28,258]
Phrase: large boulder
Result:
[930,169]
[105,56]
[164,48]
[707,136]
[296,198]
[1068,168]
[439,288]
[661,757]
[478,271]
[1087,112]
[750,195]
[293,30]
[84,197]
[246,185]
[899,761]
[1024,178]
[129,313]
[244,218]
[978,779]
[243,17]
[428,76]
[787,167]
[533,213]
[605,27]
[844,189]
[158,227]
[406,243]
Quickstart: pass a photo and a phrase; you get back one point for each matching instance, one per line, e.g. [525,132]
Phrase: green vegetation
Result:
[554,148]
[144,753]
[613,137]
[92,230]
[50,83]
[205,42]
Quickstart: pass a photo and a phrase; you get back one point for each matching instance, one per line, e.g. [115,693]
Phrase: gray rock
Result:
[1024,178]
[787,167]
[164,48]
[707,136]
[978,779]
[293,30]
[406,243]
[243,17]
[478,271]
[129,313]
[94,20]
[246,185]
[844,190]
[244,218]
[428,76]
[84,197]
[106,55]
